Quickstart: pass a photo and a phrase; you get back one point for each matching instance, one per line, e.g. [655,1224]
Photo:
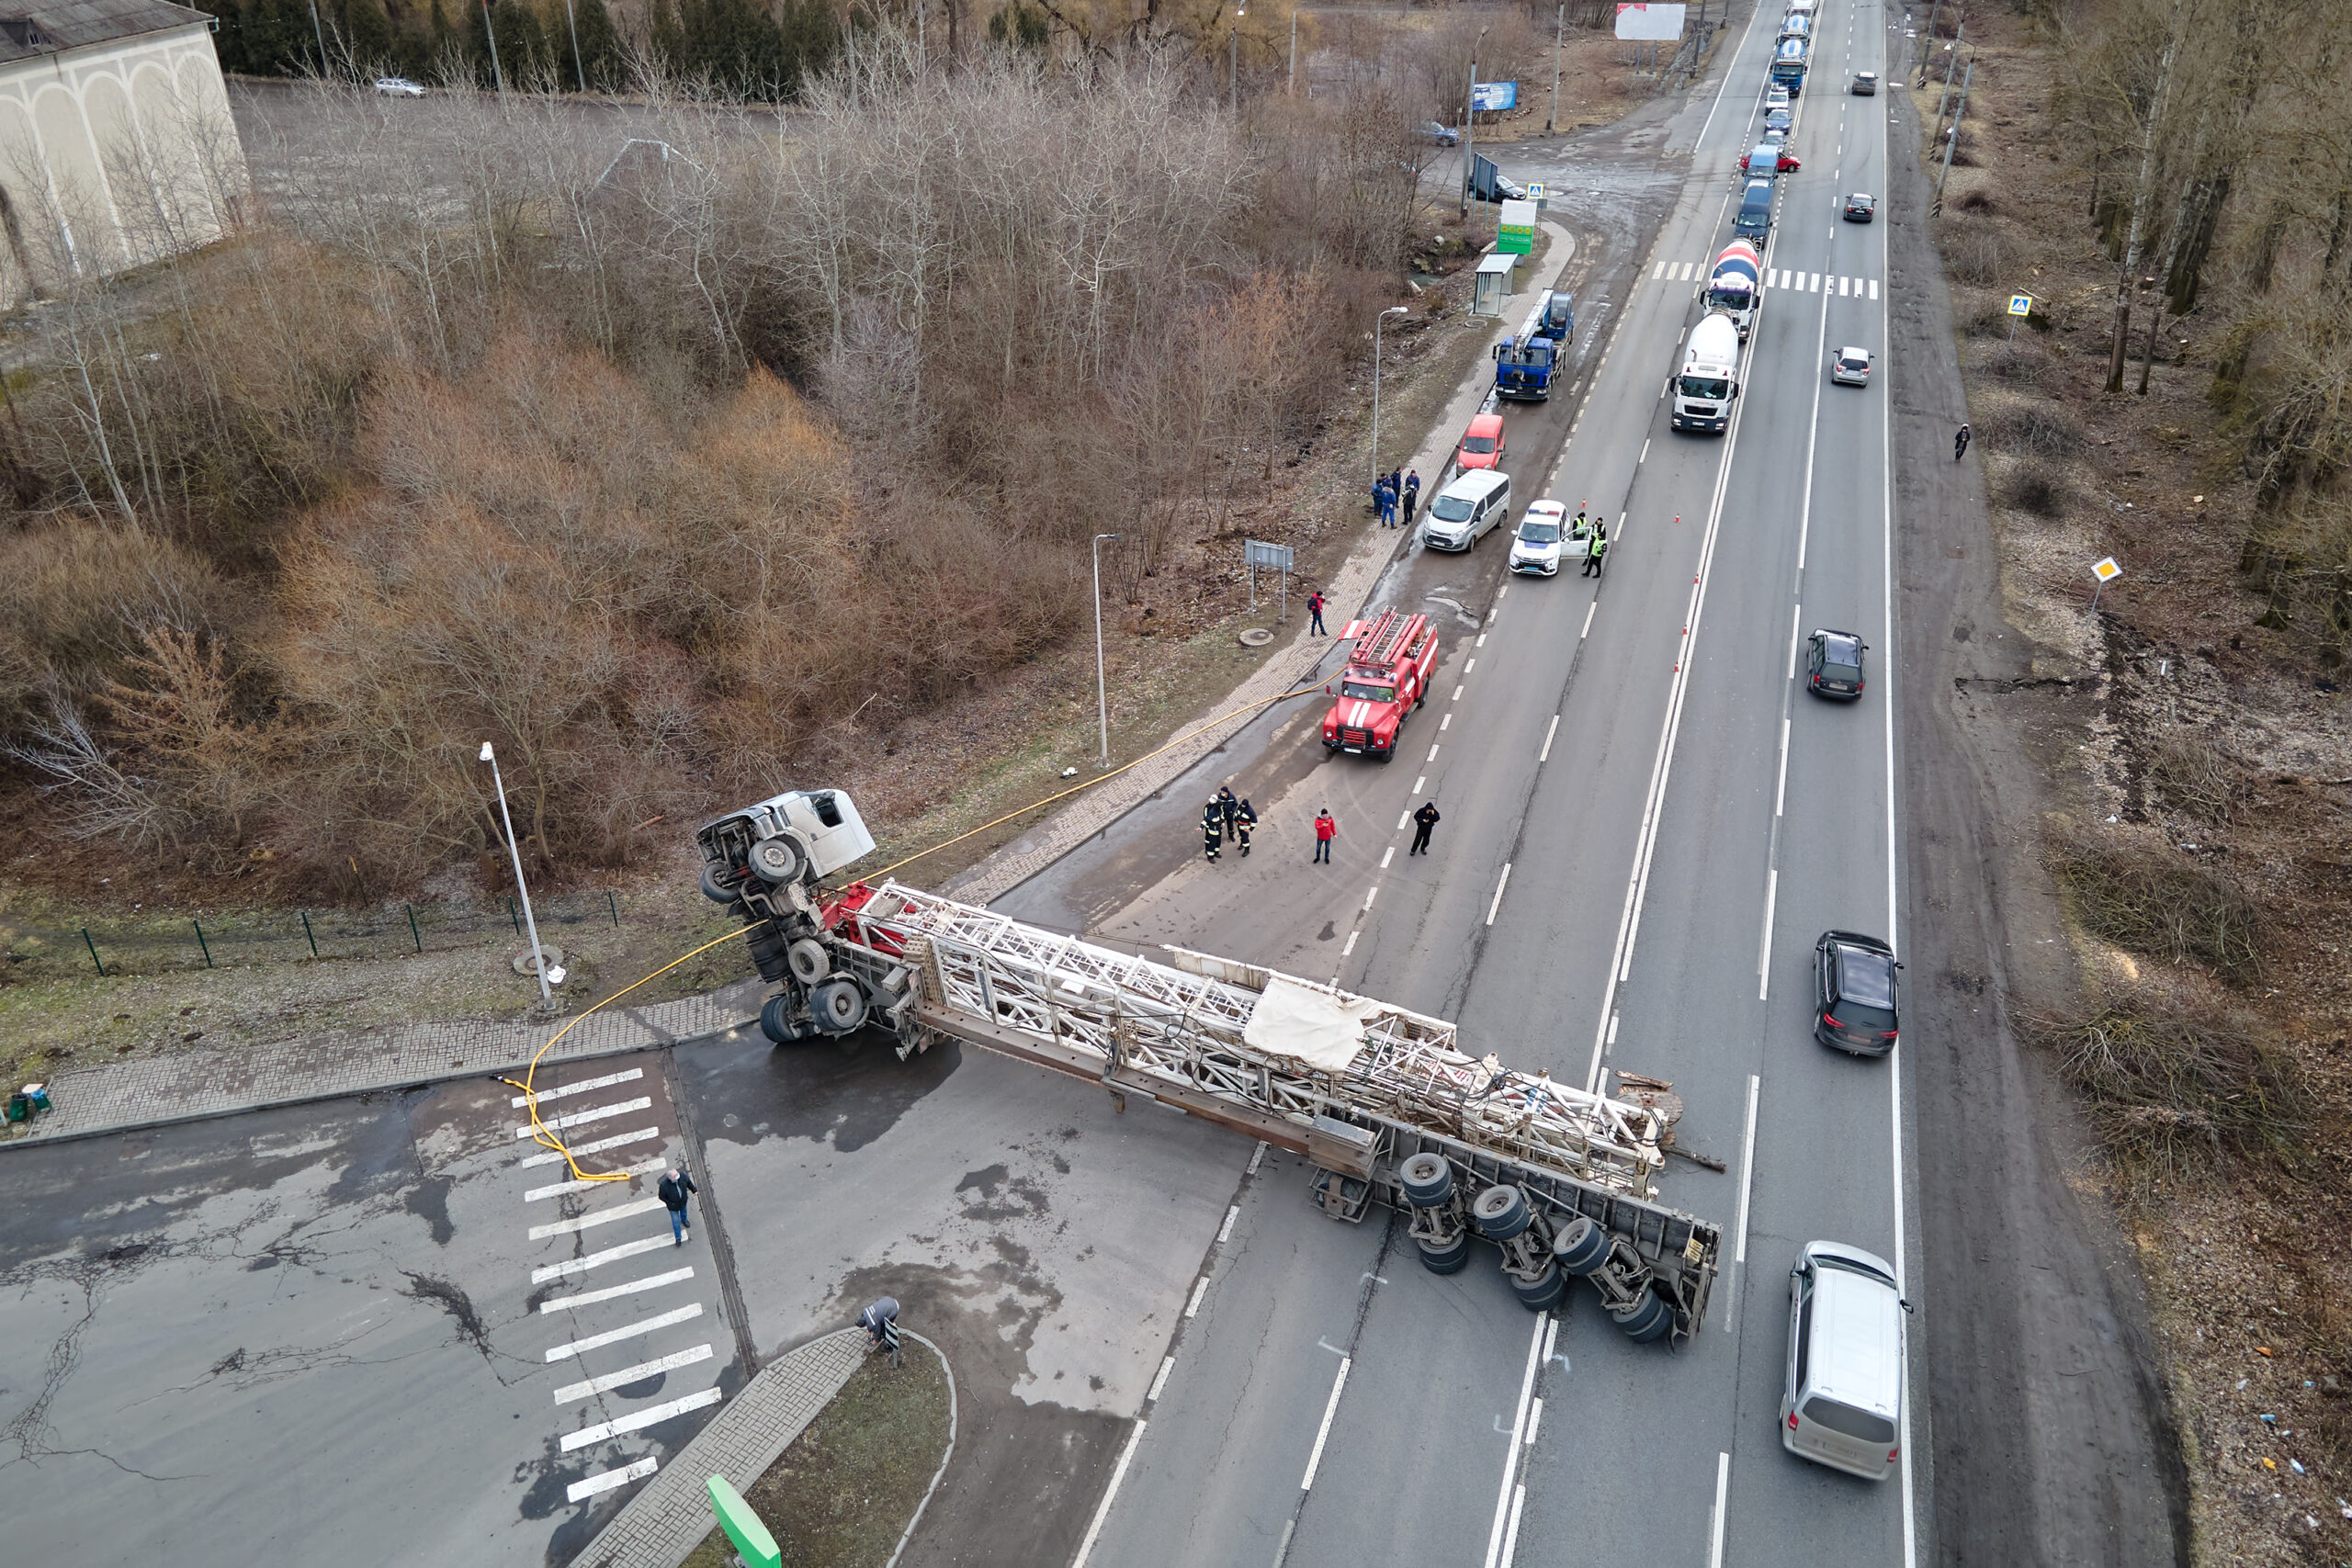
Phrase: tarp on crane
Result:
[1315,1027]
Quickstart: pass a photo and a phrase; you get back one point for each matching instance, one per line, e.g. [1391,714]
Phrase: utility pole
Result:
[539,954]
[1291,85]
[1953,59]
[1101,693]
[1953,140]
[496,72]
[578,65]
[1559,28]
[322,35]
[1233,70]
[1377,323]
[1926,48]
[1470,124]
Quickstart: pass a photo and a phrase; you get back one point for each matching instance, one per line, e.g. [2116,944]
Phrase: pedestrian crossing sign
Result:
[1536,190]
[2020,304]
[2107,570]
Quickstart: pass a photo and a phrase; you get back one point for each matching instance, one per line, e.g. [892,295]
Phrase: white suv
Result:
[1543,539]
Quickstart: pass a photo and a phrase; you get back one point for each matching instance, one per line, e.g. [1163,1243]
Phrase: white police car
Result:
[1542,539]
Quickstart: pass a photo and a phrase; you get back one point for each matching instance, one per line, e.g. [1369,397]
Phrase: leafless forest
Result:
[649,462]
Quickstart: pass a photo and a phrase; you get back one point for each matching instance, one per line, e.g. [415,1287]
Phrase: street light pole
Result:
[539,953]
[1377,323]
[1291,85]
[1470,124]
[1101,693]
[1559,31]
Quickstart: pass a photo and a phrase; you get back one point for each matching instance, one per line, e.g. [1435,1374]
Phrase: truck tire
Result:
[838,1006]
[1386,755]
[1499,1213]
[1427,1181]
[714,886]
[1449,1259]
[1581,1247]
[1647,1319]
[777,861]
[777,1024]
[1542,1295]
[810,962]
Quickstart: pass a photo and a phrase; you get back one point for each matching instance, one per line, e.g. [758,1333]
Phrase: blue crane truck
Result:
[1523,366]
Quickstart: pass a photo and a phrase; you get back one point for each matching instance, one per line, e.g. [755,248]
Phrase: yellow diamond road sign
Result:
[2020,304]
[2107,570]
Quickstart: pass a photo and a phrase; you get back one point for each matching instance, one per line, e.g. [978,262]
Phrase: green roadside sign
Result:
[742,1526]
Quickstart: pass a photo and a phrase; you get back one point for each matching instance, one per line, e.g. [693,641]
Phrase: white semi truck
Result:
[1384,1103]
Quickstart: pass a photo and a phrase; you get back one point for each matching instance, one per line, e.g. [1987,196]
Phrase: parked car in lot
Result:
[1833,664]
[398,87]
[1841,1390]
[1482,444]
[1860,209]
[1850,367]
[1865,83]
[1855,1008]
[1436,135]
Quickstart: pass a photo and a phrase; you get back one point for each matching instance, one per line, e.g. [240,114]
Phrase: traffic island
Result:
[849,1490]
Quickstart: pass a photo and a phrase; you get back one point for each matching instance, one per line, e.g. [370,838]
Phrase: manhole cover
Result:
[527,963]
[1256,636]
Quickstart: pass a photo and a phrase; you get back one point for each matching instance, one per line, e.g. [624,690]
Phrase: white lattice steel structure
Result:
[1176,1029]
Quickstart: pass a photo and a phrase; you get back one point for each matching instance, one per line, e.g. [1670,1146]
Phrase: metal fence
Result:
[278,936]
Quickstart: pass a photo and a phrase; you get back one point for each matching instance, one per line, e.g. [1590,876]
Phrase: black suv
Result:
[1833,665]
[1854,992]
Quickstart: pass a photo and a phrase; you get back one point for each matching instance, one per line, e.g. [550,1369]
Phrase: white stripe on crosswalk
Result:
[605,1479]
[1842,289]
[1814,285]
[626,1375]
[597,1434]
[652,1281]
[1873,287]
[1658,271]
[598,1113]
[608,1082]
[590,1221]
[596,1259]
[642,1167]
[599,1146]
[660,1320]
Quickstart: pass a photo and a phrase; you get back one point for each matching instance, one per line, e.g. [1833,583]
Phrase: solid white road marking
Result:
[1502,883]
[642,1167]
[1781,791]
[1323,1433]
[1747,1169]
[597,1114]
[626,1375]
[1554,728]
[572,1347]
[650,1283]
[1511,1536]
[1764,943]
[1200,1290]
[605,1479]
[1227,1229]
[1518,1426]
[1118,1474]
[1167,1366]
[595,1259]
[608,1082]
[1715,1528]
[599,1146]
[660,1412]
[589,1222]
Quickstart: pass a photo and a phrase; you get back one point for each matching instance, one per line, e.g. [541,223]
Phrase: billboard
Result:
[1486,97]
[1649,24]
[1515,231]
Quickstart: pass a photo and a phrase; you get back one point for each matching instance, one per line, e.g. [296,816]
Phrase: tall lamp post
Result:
[1470,124]
[1377,323]
[539,953]
[1101,694]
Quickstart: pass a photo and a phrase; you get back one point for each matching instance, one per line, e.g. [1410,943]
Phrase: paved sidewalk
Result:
[193,1086]
[1348,594]
[671,1513]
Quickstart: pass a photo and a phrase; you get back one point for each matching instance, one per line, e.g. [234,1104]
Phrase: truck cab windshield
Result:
[1728,298]
[1714,386]
[1367,692]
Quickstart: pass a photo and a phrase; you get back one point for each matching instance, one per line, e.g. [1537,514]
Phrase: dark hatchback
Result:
[1855,991]
[1833,665]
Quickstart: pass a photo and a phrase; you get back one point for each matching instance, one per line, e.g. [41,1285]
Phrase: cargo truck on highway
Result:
[1703,389]
[1734,284]
[1789,64]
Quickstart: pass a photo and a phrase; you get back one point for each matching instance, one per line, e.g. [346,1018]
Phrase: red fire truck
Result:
[1387,676]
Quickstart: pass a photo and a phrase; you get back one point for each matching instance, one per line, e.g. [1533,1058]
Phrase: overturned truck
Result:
[1382,1102]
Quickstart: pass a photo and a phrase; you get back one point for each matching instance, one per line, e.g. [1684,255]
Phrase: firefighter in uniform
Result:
[1245,816]
[1227,804]
[1213,827]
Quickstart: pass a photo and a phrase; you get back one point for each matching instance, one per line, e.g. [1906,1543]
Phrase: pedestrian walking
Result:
[1960,443]
[1325,829]
[1227,805]
[1212,827]
[675,1187]
[1245,816]
[1412,494]
[1314,609]
[880,1321]
[1423,820]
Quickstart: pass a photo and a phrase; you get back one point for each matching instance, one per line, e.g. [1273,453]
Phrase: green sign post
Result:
[743,1526]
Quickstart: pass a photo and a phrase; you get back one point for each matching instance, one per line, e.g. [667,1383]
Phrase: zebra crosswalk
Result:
[1842,284]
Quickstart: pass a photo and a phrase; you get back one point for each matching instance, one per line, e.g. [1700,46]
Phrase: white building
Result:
[115,142]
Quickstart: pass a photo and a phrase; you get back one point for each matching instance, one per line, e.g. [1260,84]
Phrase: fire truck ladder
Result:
[1384,640]
[1396,1087]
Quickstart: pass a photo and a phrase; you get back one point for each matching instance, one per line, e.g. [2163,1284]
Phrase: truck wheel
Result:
[1545,1294]
[1427,1181]
[1499,1213]
[715,886]
[1386,755]
[810,962]
[838,1006]
[1647,1319]
[776,1021]
[777,861]
[1449,1259]
[1581,1247]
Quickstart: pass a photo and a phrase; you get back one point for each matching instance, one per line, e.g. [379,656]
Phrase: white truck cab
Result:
[1709,380]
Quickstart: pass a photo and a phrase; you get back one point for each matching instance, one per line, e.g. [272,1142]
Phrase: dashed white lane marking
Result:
[638,1373]
[1430,757]
[1349,945]
[642,1167]
[1257,1154]
[1715,1528]
[1511,1536]
[1545,754]
[1457,693]
[1371,895]
[589,1222]
[1387,856]
[1518,1428]
[1467,668]
[1417,789]
[641,1135]
[1167,1365]
[660,1412]
[1482,640]
[597,1259]
[1589,610]
[1401,817]
[1193,1307]
[1502,883]
[650,1283]
[570,1348]
[1226,1229]
[608,1082]
[1445,724]
[1111,1492]
[1534,1417]
[1323,1433]
[596,1113]
[605,1479]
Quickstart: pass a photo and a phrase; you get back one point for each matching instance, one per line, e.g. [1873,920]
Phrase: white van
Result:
[1841,1403]
[1477,503]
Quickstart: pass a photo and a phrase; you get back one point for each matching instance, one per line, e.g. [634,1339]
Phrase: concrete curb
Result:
[948,1371]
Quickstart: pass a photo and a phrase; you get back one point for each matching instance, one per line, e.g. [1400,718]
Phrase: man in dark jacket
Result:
[1212,827]
[1245,816]
[675,1185]
[1229,806]
[1413,497]
[1423,820]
